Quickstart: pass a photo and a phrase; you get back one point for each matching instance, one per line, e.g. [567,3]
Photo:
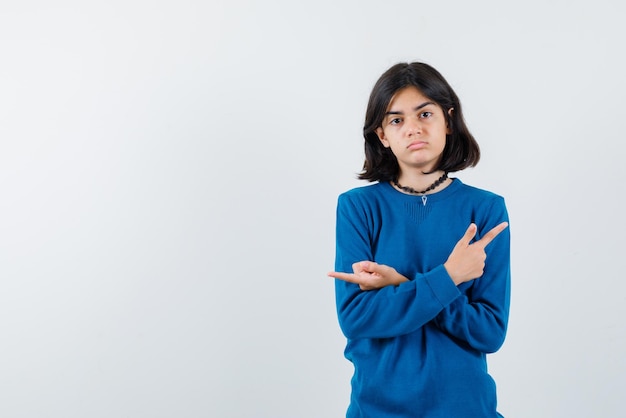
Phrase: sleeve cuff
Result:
[442,286]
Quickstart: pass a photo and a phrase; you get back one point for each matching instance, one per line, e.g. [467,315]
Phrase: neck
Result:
[420,183]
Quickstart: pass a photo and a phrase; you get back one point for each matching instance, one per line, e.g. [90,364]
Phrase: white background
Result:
[168,179]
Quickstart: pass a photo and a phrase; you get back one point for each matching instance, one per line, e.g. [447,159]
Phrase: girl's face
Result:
[414,128]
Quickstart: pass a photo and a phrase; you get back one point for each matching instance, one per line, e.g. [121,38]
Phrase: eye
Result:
[425,115]
[395,121]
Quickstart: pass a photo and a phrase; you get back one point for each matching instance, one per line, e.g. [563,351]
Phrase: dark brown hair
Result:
[461,149]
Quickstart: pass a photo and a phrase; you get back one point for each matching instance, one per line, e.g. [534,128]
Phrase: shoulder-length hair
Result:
[461,149]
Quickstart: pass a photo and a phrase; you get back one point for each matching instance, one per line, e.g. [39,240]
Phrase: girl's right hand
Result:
[371,276]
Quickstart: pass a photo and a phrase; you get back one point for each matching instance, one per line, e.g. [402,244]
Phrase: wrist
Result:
[453,277]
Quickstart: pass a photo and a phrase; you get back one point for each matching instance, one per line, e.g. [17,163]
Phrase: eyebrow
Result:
[415,109]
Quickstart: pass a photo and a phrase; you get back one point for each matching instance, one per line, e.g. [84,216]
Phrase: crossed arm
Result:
[466,262]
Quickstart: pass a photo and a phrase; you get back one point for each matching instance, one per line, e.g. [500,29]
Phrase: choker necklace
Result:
[431,187]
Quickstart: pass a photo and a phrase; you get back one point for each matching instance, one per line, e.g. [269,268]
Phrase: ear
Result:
[381,135]
[448,127]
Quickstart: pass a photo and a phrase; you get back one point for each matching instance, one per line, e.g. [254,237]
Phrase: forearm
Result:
[393,310]
[480,316]
[482,326]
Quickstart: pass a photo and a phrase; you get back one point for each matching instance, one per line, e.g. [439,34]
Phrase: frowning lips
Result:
[417,145]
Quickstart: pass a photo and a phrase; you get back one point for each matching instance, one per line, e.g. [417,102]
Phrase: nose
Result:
[413,126]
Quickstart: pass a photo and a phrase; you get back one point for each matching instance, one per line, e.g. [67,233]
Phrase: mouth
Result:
[417,145]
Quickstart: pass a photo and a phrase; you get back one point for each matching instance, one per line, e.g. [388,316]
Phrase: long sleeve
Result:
[392,310]
[480,316]
[418,348]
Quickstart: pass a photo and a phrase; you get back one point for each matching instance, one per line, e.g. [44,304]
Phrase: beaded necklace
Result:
[421,192]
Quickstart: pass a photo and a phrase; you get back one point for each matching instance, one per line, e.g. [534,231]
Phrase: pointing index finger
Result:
[489,236]
[346,277]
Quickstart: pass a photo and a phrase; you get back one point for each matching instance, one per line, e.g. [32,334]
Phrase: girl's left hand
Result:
[370,275]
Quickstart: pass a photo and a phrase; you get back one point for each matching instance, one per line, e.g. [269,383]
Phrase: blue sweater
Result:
[419,349]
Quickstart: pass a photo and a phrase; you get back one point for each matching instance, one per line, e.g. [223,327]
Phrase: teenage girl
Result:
[422,259]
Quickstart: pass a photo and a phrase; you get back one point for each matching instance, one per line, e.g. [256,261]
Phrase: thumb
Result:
[361,266]
[369,266]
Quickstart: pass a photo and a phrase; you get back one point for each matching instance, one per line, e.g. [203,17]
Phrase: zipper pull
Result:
[424,199]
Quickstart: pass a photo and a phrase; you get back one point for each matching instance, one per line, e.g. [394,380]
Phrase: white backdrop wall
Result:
[169,173]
